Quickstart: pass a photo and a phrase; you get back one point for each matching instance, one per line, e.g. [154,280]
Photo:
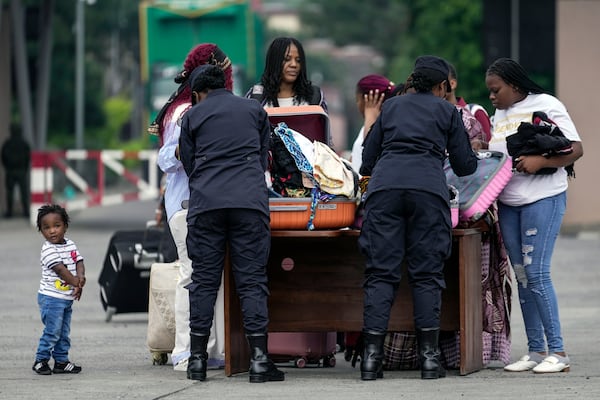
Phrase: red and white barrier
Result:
[45,164]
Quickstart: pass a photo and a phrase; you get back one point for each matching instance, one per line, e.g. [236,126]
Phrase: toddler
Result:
[63,278]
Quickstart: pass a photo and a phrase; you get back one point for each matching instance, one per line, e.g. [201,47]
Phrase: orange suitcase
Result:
[288,213]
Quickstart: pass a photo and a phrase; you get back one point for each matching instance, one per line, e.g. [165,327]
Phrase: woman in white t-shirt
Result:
[531,208]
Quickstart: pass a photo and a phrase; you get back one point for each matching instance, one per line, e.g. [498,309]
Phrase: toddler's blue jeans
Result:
[56,316]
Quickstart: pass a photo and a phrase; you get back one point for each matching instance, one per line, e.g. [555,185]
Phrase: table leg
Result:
[471,318]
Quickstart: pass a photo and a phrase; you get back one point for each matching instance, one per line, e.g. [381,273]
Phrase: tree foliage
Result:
[111,62]
[401,30]
[378,23]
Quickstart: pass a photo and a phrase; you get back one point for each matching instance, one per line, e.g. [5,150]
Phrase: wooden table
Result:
[315,279]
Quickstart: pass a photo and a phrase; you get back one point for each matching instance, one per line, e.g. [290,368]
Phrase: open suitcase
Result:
[125,276]
[161,311]
[294,213]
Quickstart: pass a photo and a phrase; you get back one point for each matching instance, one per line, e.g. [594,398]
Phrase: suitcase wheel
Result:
[159,358]
[300,362]
[110,311]
[329,361]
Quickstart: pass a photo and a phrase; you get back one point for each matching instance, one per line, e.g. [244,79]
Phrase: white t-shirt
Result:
[50,256]
[527,188]
[357,149]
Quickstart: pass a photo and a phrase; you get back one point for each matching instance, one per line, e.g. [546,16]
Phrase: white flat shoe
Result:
[525,363]
[553,363]
[181,365]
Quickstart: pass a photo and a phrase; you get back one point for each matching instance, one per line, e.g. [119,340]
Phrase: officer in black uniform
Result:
[223,147]
[407,212]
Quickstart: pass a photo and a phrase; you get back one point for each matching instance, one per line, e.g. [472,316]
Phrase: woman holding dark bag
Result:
[531,208]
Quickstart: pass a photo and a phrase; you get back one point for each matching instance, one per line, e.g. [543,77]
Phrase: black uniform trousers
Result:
[247,232]
[404,225]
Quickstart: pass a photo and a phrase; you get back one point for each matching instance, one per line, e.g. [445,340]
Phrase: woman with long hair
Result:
[167,127]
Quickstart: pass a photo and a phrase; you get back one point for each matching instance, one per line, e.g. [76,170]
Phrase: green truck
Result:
[169,29]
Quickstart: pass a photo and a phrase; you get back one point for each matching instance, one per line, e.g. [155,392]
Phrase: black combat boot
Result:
[262,369]
[371,363]
[198,360]
[429,353]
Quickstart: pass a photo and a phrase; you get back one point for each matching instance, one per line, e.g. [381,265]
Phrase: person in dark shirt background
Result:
[16,158]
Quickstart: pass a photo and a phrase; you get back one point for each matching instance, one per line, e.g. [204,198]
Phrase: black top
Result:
[16,153]
[223,148]
[406,146]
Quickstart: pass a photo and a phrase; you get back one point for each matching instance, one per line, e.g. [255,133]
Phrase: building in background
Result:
[556,42]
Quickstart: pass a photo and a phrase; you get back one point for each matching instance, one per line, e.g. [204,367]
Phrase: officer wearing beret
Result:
[407,212]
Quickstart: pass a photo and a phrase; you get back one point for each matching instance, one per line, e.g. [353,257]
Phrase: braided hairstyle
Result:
[515,75]
[271,77]
[422,81]
[205,53]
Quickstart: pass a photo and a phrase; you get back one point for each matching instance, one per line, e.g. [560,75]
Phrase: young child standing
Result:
[63,278]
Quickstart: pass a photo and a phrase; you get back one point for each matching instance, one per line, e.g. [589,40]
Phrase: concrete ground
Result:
[117,364]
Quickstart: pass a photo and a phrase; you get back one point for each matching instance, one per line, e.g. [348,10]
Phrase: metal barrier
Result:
[65,177]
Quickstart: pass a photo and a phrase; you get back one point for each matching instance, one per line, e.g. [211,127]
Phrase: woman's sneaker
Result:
[66,368]
[41,367]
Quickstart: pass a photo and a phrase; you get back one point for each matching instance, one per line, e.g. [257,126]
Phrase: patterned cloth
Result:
[294,148]
[400,351]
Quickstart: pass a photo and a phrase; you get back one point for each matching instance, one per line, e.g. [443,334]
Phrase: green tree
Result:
[401,30]
[379,23]
[451,29]
[111,65]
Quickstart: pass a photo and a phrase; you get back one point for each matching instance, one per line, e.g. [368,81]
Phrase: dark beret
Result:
[432,63]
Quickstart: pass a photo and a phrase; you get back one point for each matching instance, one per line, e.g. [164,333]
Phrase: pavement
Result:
[118,365]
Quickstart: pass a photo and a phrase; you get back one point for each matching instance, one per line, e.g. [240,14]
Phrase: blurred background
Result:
[91,74]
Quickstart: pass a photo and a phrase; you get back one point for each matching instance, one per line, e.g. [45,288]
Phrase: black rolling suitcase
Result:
[125,276]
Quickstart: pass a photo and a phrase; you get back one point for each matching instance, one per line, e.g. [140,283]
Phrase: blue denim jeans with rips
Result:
[56,316]
[529,234]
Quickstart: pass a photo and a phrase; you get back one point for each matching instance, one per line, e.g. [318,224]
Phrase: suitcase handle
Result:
[288,208]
